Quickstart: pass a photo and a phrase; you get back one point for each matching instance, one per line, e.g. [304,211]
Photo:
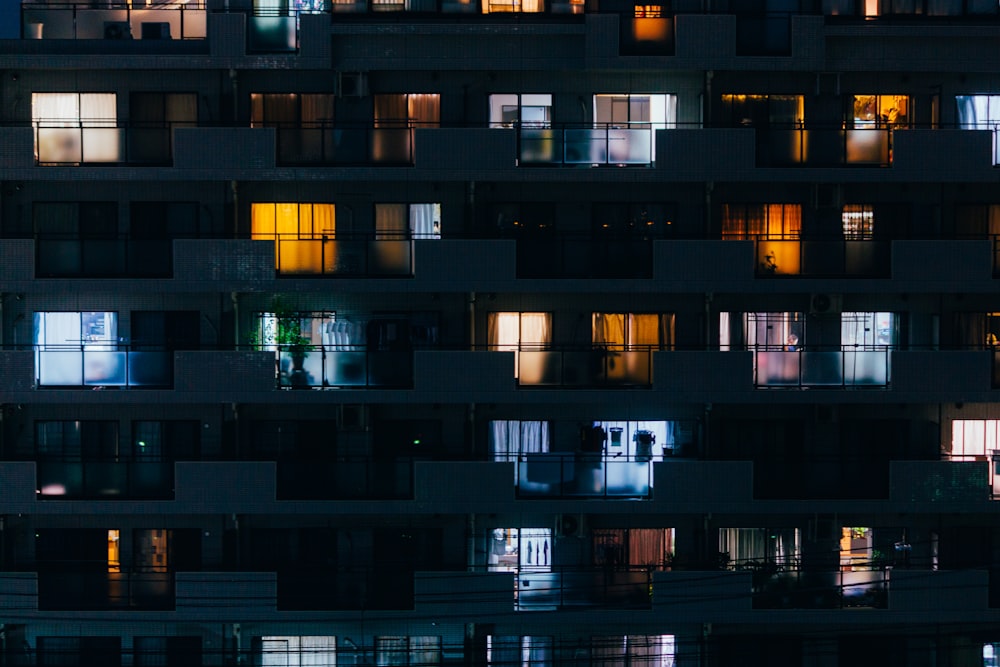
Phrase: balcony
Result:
[822,259]
[70,256]
[824,147]
[627,366]
[845,589]
[343,255]
[104,143]
[565,256]
[311,588]
[565,588]
[346,478]
[339,366]
[105,480]
[326,143]
[822,368]
[572,475]
[105,590]
[105,366]
[113,21]
[598,145]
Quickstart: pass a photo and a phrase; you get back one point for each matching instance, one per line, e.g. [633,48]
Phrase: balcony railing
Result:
[98,142]
[567,475]
[105,480]
[100,366]
[332,366]
[310,587]
[822,368]
[342,255]
[822,258]
[607,587]
[824,147]
[345,478]
[125,588]
[584,257]
[113,20]
[344,144]
[822,590]
[596,145]
[69,256]
[596,366]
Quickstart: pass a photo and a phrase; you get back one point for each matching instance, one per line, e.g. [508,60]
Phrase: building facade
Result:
[500,333]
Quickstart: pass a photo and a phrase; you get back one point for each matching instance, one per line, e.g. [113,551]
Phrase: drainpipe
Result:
[234,191]
[3,297]
[235,298]
[233,83]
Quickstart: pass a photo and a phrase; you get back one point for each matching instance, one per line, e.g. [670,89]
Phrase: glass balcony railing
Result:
[568,474]
[86,589]
[824,147]
[544,589]
[564,256]
[345,478]
[589,145]
[597,366]
[98,366]
[114,20]
[867,588]
[822,258]
[326,143]
[342,256]
[104,142]
[344,366]
[105,480]
[110,257]
[822,368]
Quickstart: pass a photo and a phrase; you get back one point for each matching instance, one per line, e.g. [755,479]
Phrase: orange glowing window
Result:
[648,11]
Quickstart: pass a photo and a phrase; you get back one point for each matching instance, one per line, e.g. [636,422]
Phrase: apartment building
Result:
[500,333]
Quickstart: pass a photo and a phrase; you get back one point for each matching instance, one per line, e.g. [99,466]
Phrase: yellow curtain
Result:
[608,329]
[298,231]
[424,109]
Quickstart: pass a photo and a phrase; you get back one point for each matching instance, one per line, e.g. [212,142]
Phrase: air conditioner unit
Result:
[353,418]
[117,30]
[570,525]
[155,30]
[352,84]
[825,304]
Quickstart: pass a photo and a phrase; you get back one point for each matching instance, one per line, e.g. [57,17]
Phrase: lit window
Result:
[76,128]
[881,111]
[301,233]
[858,222]
[648,11]
[761,221]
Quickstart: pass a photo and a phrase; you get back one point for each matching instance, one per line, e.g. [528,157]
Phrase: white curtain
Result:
[510,438]
[425,221]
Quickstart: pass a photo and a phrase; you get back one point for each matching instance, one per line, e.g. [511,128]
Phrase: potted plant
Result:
[282,328]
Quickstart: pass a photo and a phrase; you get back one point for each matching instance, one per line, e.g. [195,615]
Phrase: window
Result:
[977,221]
[858,222]
[521,549]
[75,128]
[303,122]
[977,440]
[980,112]
[299,232]
[507,6]
[78,651]
[626,331]
[527,111]
[751,548]
[775,227]
[395,117]
[867,331]
[408,651]
[291,109]
[630,122]
[765,111]
[76,441]
[298,651]
[633,651]
[648,548]
[405,221]
[78,239]
[77,348]
[152,119]
[512,441]
[525,334]
[881,111]
[761,221]
[515,651]
[172,440]
[166,651]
